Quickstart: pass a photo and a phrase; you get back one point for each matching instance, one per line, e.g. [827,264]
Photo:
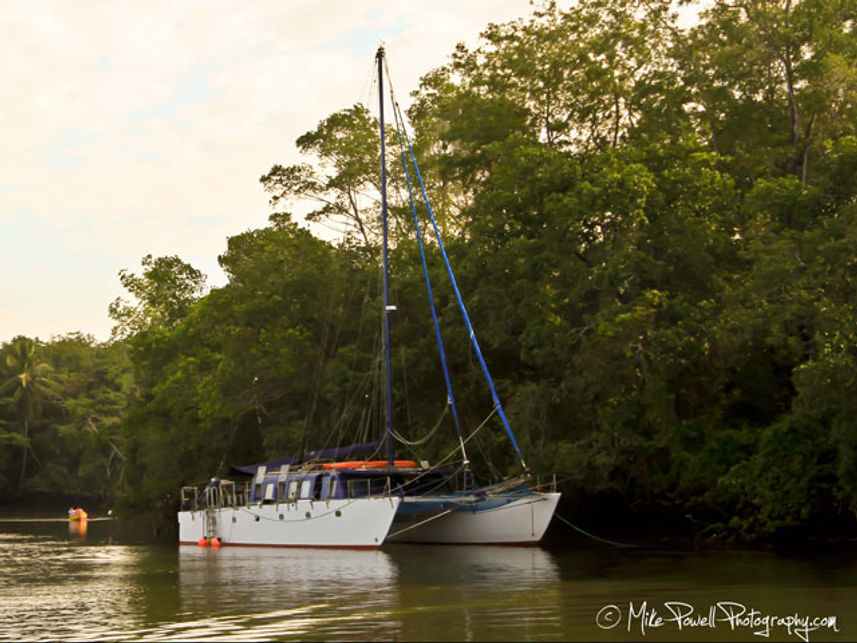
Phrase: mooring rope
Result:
[594,537]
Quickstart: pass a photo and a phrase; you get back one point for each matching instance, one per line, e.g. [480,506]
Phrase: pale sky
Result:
[133,127]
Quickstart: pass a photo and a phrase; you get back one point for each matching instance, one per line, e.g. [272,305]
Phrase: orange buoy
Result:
[202,542]
[77,515]
[215,542]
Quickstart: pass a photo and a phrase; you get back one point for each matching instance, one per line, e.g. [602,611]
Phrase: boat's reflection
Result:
[446,592]
[474,565]
[317,572]
[477,593]
[78,528]
[277,574]
[274,593]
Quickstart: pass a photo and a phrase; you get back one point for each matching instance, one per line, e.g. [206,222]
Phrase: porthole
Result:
[281,516]
[234,519]
[257,518]
[338,513]
[308,515]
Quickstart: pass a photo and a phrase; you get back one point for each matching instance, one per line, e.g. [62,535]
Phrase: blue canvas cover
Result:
[337,453]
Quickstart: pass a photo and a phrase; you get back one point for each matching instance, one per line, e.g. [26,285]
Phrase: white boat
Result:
[444,504]
[315,502]
[510,516]
[303,507]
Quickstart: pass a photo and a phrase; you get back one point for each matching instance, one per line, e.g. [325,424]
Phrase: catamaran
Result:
[331,498]
[434,508]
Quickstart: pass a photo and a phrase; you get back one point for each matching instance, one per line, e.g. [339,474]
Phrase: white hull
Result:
[522,520]
[362,523]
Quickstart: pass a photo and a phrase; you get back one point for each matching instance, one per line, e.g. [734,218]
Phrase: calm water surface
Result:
[60,585]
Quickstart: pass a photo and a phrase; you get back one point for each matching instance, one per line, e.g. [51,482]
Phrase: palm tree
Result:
[30,384]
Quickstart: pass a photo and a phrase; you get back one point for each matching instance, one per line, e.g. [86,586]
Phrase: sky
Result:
[131,128]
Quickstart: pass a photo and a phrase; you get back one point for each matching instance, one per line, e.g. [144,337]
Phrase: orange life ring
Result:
[371,464]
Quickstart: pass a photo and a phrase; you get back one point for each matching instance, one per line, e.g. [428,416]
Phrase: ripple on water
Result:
[59,590]
[59,587]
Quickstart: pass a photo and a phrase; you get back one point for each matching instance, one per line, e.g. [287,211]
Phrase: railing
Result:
[215,497]
[551,484]
[227,494]
[189,499]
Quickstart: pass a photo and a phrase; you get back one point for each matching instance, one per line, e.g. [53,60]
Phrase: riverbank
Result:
[579,521]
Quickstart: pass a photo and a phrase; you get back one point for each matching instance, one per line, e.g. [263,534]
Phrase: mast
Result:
[387,307]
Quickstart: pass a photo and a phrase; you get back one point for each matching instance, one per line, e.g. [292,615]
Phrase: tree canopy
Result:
[655,231]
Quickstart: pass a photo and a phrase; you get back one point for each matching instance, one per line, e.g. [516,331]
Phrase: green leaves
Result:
[256,368]
[66,418]
[343,182]
[769,81]
[164,293]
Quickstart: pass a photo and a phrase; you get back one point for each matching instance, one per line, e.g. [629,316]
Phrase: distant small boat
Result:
[77,515]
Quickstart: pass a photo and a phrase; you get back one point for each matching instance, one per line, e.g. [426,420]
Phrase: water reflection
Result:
[277,576]
[284,593]
[476,566]
[58,590]
[78,528]
[406,592]
[477,593]
[107,586]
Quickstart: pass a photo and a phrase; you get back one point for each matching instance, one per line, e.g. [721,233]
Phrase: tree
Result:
[345,178]
[772,80]
[30,385]
[257,368]
[164,293]
[654,233]
[85,454]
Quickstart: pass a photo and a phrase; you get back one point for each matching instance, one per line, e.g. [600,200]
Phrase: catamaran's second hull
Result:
[356,523]
[514,519]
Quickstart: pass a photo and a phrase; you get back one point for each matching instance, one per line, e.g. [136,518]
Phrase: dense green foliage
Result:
[62,404]
[654,229]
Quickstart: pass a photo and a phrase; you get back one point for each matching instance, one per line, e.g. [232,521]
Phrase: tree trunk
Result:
[26,450]
[796,159]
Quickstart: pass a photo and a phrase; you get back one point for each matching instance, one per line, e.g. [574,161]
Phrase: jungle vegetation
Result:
[655,231]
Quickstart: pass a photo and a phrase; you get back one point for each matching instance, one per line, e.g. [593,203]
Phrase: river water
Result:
[108,584]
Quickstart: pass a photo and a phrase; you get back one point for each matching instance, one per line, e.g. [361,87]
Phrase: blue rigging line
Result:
[449,392]
[497,405]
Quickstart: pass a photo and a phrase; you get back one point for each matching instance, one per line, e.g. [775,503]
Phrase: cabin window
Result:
[368,487]
[317,488]
[269,492]
[358,488]
[281,490]
[328,488]
[293,490]
[306,485]
[257,492]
